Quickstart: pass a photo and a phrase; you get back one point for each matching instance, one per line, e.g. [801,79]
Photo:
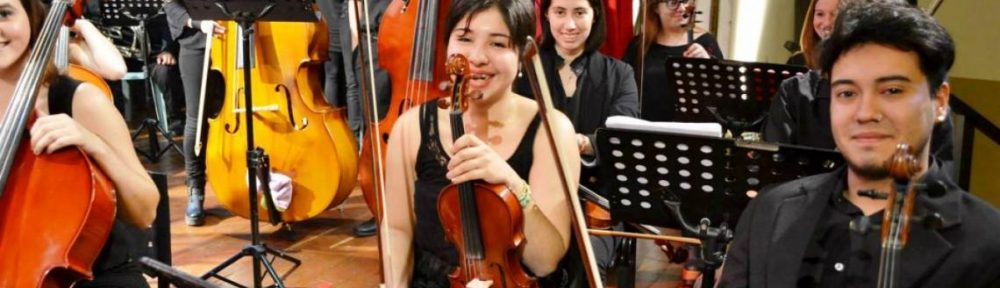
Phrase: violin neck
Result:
[469,211]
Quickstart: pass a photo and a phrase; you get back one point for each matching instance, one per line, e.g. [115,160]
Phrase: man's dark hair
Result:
[896,25]
[519,15]
[598,30]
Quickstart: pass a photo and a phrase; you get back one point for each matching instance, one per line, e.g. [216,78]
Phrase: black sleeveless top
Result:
[434,255]
[114,267]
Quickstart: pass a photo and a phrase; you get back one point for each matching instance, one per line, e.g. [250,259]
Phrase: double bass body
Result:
[304,137]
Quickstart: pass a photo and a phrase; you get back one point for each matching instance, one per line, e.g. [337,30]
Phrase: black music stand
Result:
[672,180]
[136,13]
[246,14]
[734,94]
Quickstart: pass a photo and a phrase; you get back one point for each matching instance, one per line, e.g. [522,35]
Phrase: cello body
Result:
[85,75]
[78,208]
[56,209]
[304,137]
[415,79]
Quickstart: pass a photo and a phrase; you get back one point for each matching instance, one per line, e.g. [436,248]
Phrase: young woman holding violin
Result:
[503,145]
[73,114]
[817,27]
[668,31]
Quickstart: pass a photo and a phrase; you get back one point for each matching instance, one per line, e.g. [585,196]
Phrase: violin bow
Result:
[641,20]
[369,103]
[539,85]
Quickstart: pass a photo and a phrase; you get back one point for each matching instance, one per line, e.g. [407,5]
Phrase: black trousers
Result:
[190,63]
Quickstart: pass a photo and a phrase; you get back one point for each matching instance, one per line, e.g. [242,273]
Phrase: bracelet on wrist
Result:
[523,195]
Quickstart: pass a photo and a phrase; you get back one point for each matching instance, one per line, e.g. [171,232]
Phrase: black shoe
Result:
[195,214]
[366,228]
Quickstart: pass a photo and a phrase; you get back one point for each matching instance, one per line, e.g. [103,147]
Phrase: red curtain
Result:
[619,13]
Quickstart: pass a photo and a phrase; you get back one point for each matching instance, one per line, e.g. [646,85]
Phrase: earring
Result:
[519,73]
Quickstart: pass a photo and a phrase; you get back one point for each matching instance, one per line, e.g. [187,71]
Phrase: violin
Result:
[304,137]
[484,221]
[417,30]
[903,166]
[689,15]
[532,63]
[51,228]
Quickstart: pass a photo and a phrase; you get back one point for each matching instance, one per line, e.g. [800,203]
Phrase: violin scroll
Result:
[457,67]
[903,164]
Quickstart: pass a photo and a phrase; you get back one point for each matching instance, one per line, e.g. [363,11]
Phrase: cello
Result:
[484,253]
[78,207]
[418,31]
[305,138]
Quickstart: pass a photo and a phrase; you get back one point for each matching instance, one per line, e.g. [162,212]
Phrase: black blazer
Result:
[775,229]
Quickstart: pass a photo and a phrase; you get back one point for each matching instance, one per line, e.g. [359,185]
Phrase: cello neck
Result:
[26,89]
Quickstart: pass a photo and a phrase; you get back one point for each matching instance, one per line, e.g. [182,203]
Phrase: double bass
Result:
[51,228]
[417,31]
[304,137]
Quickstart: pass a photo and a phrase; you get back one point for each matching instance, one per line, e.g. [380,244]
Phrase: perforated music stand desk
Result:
[113,12]
[708,176]
[694,183]
[732,93]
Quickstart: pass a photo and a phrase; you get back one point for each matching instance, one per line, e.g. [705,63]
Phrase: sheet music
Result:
[698,129]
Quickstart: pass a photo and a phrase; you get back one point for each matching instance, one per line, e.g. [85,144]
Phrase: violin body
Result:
[304,137]
[415,79]
[53,228]
[502,222]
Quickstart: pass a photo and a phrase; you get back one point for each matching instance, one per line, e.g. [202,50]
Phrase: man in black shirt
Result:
[886,64]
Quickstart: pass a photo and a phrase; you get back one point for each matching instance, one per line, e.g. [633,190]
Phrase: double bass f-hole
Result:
[233,128]
[291,112]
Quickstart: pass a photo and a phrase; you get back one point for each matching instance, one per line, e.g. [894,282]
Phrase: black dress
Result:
[115,266]
[654,88]
[434,256]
